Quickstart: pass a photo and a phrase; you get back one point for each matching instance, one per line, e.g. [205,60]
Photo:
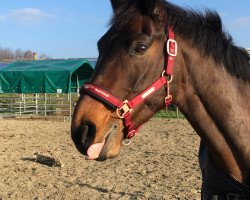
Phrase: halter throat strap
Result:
[124,108]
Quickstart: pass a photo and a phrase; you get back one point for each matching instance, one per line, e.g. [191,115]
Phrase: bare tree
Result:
[28,55]
[19,54]
[6,54]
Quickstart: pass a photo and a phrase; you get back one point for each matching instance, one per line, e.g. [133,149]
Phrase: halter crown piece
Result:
[125,108]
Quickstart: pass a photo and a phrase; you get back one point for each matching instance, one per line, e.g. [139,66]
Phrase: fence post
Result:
[20,104]
[11,105]
[24,104]
[70,106]
[45,104]
[36,104]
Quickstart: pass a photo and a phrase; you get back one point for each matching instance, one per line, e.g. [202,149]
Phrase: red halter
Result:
[124,108]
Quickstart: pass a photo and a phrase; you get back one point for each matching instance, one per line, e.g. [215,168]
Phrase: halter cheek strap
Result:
[124,108]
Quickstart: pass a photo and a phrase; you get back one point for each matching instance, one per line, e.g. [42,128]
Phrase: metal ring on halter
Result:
[168,98]
[123,110]
[127,143]
[169,77]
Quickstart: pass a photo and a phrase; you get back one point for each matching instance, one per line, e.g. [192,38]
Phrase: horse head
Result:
[131,57]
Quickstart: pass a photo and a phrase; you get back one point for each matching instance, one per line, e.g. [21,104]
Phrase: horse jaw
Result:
[113,143]
[110,146]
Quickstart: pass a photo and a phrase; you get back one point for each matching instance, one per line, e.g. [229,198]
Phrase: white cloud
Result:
[26,16]
[241,22]
[2,18]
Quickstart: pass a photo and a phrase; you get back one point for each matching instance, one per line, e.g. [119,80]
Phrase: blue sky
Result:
[66,29]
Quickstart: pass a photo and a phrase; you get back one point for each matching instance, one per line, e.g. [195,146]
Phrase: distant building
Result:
[248,50]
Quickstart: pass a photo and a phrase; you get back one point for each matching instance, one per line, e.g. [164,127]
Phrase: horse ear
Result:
[116,4]
[153,8]
[147,6]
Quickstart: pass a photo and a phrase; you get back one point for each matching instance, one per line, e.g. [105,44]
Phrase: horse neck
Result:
[216,105]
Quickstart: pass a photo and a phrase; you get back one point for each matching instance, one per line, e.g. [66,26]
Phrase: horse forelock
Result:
[203,28]
[124,14]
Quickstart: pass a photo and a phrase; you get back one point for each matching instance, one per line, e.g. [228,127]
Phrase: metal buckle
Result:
[123,110]
[168,48]
[168,77]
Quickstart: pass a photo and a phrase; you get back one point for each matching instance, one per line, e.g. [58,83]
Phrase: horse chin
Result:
[113,143]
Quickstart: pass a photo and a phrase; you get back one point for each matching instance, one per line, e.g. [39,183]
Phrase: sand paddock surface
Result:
[161,163]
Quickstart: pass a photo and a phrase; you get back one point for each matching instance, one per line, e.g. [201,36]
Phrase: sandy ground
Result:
[161,163]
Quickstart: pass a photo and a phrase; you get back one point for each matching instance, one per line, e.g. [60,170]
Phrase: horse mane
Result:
[206,32]
[203,29]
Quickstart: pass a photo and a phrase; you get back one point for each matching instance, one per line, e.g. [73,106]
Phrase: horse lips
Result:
[94,150]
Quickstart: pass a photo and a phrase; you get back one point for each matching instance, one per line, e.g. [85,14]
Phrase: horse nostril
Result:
[83,132]
[83,136]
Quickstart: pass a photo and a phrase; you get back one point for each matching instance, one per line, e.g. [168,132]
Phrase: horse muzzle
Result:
[86,142]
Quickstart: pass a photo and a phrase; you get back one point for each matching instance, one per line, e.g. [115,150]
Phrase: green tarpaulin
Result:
[45,76]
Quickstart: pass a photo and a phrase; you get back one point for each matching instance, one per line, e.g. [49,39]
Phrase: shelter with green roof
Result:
[45,76]
[42,86]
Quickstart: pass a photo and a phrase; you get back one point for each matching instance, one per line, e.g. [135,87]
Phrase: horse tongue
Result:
[94,150]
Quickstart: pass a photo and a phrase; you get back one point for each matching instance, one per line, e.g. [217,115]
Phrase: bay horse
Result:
[155,53]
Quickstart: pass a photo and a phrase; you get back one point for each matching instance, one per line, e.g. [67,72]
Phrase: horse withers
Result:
[155,53]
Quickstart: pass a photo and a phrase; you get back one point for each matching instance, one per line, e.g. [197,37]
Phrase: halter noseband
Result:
[124,108]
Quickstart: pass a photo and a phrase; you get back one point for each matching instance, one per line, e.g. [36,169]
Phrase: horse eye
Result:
[141,48]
